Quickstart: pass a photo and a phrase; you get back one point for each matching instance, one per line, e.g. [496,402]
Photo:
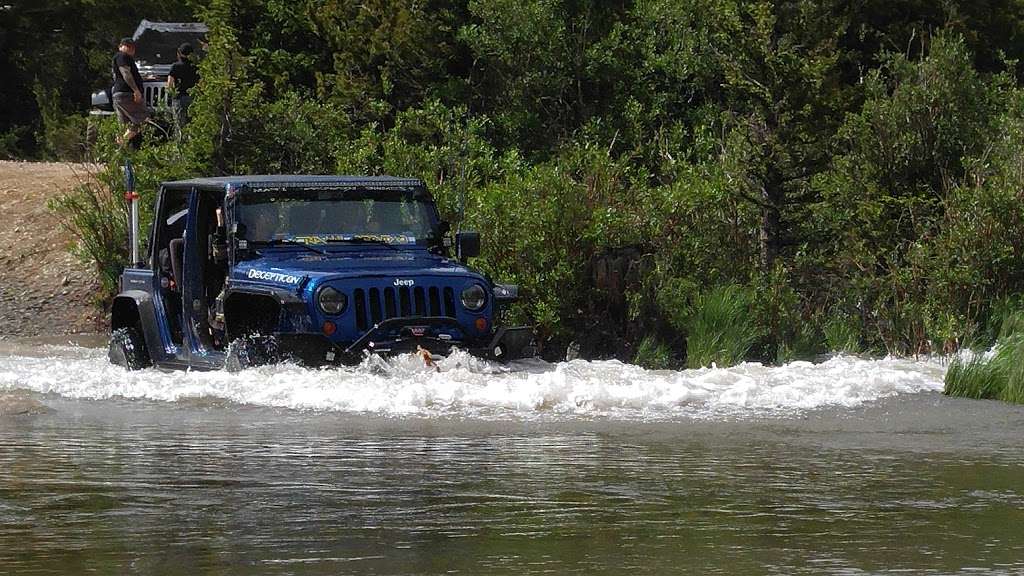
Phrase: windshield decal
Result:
[326,238]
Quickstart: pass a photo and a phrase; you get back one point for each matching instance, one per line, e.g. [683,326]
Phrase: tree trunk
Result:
[773,198]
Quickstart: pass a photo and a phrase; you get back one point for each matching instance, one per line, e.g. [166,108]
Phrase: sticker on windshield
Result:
[382,238]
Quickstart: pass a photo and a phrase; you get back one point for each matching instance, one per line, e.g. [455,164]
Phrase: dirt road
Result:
[44,290]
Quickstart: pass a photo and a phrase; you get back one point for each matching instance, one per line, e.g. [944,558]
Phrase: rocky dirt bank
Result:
[44,290]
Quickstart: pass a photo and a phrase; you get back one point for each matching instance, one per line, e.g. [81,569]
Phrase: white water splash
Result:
[467,386]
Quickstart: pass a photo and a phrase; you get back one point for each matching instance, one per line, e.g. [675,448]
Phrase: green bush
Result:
[788,332]
[654,355]
[721,330]
[1000,377]
[803,343]
[919,200]
[10,143]
[64,136]
[1009,316]
[726,144]
[842,334]
[1014,389]
[975,378]
[96,214]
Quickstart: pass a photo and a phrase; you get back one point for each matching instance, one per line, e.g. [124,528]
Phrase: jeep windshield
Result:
[392,217]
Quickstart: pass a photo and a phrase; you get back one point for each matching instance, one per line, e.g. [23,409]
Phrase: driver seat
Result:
[177,249]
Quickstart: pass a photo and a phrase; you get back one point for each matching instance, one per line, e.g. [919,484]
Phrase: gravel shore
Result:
[44,289]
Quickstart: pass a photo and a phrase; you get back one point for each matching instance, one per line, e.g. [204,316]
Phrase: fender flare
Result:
[137,306]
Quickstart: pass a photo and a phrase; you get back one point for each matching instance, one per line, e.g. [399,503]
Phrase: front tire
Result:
[128,349]
[249,352]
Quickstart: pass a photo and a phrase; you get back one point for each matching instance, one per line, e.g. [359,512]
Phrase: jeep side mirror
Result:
[467,245]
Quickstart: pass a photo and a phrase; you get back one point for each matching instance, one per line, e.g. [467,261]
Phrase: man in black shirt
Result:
[182,78]
[127,91]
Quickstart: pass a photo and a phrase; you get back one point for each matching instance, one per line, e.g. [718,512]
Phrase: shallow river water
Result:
[847,467]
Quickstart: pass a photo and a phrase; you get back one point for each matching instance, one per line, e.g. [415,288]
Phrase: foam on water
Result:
[467,386]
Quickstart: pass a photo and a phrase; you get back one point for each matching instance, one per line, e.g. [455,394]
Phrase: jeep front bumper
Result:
[402,335]
[407,335]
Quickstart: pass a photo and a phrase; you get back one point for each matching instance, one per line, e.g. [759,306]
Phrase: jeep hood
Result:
[291,266]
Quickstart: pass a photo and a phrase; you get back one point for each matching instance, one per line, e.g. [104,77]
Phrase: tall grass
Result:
[97,216]
[998,377]
[1014,390]
[1011,322]
[722,328]
[842,335]
[654,355]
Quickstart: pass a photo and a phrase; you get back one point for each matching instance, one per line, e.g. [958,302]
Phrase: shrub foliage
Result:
[784,183]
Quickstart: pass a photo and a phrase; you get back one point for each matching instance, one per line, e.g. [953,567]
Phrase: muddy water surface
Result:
[847,467]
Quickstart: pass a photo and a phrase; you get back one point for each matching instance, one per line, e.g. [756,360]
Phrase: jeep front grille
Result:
[376,305]
[155,93]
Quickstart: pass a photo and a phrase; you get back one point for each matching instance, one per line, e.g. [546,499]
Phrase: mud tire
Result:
[128,349]
[249,352]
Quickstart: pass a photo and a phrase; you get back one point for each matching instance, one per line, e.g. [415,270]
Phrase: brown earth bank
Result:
[44,289]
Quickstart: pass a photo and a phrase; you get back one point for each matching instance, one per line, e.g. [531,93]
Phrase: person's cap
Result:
[127,41]
[185,49]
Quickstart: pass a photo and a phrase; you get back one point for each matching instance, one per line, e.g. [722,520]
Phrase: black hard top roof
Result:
[186,27]
[298,181]
[157,42]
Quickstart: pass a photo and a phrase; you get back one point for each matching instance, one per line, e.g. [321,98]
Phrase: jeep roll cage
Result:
[235,187]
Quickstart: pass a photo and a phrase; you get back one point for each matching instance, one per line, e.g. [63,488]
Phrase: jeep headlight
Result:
[474,297]
[331,301]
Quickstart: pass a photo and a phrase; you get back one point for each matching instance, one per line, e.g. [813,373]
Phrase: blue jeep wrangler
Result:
[321,270]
